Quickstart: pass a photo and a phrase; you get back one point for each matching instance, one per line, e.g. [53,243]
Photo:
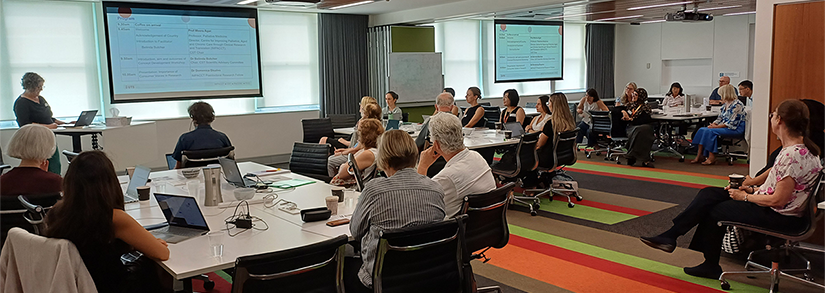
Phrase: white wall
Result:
[253,135]
[708,47]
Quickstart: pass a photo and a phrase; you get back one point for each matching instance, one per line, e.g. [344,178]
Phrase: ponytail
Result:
[812,147]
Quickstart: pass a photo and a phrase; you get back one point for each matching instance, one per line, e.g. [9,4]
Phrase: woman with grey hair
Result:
[466,171]
[31,108]
[33,145]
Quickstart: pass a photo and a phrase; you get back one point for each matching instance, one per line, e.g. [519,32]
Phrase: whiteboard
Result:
[416,77]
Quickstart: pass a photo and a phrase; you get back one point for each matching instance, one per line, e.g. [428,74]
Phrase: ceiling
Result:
[627,11]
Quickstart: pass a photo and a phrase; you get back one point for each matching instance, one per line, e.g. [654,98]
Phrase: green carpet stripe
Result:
[225,276]
[651,174]
[584,212]
[626,259]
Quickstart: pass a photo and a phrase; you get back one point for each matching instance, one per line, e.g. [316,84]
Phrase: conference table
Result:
[94,130]
[194,257]
[479,138]
[667,143]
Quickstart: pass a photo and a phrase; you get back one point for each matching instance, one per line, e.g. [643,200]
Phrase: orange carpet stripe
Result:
[657,170]
[563,274]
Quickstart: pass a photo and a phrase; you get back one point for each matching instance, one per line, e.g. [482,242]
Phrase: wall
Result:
[679,50]
[265,137]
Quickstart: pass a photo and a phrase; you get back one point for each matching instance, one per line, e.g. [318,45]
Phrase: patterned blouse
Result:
[803,167]
[732,115]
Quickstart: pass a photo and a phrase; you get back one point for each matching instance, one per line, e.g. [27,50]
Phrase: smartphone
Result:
[338,222]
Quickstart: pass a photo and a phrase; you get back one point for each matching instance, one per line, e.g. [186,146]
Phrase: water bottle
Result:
[212,178]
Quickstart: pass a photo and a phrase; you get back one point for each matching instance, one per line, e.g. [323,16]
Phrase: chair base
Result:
[565,190]
[774,270]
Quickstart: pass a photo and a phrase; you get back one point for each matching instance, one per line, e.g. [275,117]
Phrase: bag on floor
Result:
[563,181]
[732,242]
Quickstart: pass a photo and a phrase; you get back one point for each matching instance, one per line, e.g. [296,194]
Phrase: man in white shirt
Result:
[465,173]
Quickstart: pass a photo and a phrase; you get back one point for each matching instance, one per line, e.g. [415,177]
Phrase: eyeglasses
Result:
[770,116]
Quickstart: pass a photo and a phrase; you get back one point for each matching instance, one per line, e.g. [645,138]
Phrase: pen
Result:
[274,170]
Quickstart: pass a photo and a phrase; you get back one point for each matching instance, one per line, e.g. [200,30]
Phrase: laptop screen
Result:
[181,211]
[515,127]
[393,124]
[139,178]
[231,171]
[171,162]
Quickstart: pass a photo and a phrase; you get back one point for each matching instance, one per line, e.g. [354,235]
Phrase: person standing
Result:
[31,108]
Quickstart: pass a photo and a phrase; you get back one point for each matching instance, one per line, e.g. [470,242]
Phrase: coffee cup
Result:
[332,204]
[338,191]
[508,134]
[143,192]
[707,108]
[736,180]
[498,125]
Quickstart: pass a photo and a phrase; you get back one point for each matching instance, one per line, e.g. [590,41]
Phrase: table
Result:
[667,143]
[94,130]
[193,257]
[480,138]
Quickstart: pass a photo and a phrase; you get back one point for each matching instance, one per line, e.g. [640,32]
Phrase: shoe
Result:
[661,243]
[708,162]
[648,164]
[631,161]
[705,270]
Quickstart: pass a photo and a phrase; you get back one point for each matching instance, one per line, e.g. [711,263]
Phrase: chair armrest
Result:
[789,236]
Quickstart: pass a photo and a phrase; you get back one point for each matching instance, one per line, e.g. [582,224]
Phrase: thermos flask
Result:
[212,178]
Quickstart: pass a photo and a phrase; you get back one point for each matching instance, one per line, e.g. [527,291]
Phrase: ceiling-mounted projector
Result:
[688,16]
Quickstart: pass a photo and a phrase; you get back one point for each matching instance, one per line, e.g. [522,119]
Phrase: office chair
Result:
[310,159]
[316,128]
[612,134]
[26,212]
[519,163]
[405,117]
[788,244]
[200,158]
[492,114]
[484,103]
[313,268]
[35,261]
[341,121]
[423,258]
[486,224]
[360,177]
[70,155]
[725,144]
[3,165]
[564,154]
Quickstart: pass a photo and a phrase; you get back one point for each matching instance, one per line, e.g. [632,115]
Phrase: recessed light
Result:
[660,5]
[244,2]
[351,4]
[617,18]
[580,14]
[653,21]
[717,8]
[739,13]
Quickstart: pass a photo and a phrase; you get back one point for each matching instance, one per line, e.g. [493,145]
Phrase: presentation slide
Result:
[528,50]
[170,52]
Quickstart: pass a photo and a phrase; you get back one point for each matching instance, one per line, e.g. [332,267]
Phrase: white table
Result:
[194,256]
[486,138]
[93,130]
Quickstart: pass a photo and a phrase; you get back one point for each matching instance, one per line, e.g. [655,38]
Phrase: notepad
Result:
[292,183]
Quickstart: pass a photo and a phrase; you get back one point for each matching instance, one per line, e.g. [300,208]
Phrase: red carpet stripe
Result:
[598,205]
[671,182]
[661,281]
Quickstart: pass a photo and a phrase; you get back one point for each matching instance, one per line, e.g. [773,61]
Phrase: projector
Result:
[688,16]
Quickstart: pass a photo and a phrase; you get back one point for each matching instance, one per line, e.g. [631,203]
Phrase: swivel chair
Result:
[518,164]
[200,158]
[493,114]
[361,178]
[3,165]
[611,133]
[564,154]
[486,225]
[310,159]
[70,155]
[26,212]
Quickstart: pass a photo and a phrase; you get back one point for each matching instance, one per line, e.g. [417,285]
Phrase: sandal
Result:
[648,164]
[696,161]
[708,163]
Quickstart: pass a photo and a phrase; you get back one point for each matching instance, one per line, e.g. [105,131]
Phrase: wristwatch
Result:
[746,197]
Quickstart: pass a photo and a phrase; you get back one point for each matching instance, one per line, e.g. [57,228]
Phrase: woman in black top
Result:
[511,108]
[31,108]
[473,116]
[640,129]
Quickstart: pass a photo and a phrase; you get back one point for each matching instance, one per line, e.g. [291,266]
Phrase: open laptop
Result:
[393,124]
[85,119]
[184,219]
[171,162]
[139,178]
[515,128]
[233,175]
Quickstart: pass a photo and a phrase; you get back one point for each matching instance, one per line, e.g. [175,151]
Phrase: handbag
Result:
[732,241]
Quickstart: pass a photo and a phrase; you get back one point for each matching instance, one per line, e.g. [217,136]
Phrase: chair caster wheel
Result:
[570,205]
[725,285]
[652,159]
[618,162]
[536,207]
[588,156]
[209,285]
[533,213]
[579,198]
[607,158]
[682,160]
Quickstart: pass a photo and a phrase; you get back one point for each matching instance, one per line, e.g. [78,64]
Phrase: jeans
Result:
[584,130]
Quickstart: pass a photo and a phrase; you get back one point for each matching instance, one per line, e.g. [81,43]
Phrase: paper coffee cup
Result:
[338,191]
[143,192]
[332,204]
[736,180]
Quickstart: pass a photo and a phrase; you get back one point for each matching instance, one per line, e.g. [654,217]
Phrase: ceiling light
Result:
[580,14]
[660,5]
[351,4]
[244,2]
[717,8]
[739,13]
[617,18]
[653,21]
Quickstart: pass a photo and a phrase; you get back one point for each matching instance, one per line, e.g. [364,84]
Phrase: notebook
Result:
[184,219]
[292,183]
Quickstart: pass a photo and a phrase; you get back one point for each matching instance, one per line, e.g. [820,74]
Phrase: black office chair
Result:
[484,103]
[26,212]
[200,158]
[728,143]
[519,163]
[316,128]
[486,224]
[313,268]
[492,114]
[788,244]
[360,178]
[70,155]
[405,117]
[618,136]
[424,258]
[310,159]
[341,121]
[564,154]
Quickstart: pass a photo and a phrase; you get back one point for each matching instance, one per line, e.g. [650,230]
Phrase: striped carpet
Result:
[594,246]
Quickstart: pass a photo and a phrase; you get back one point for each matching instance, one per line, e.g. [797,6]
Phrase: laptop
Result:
[139,178]
[393,124]
[85,119]
[184,219]
[233,175]
[514,127]
[171,162]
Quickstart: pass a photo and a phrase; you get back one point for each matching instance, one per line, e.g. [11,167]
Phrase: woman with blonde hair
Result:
[560,121]
[33,144]
[730,123]
[627,95]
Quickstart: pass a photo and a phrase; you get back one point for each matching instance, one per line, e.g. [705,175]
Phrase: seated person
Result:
[33,144]
[474,115]
[454,108]
[715,97]
[370,111]
[203,137]
[639,130]
[731,123]
[746,91]
[537,124]
[675,97]
[777,204]
[465,173]
[590,102]
[443,104]
[624,99]
[368,132]
[392,111]
[404,199]
[560,122]
[512,111]
[91,216]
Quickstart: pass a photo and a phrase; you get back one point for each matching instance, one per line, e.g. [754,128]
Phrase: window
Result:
[574,59]
[458,43]
[289,58]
